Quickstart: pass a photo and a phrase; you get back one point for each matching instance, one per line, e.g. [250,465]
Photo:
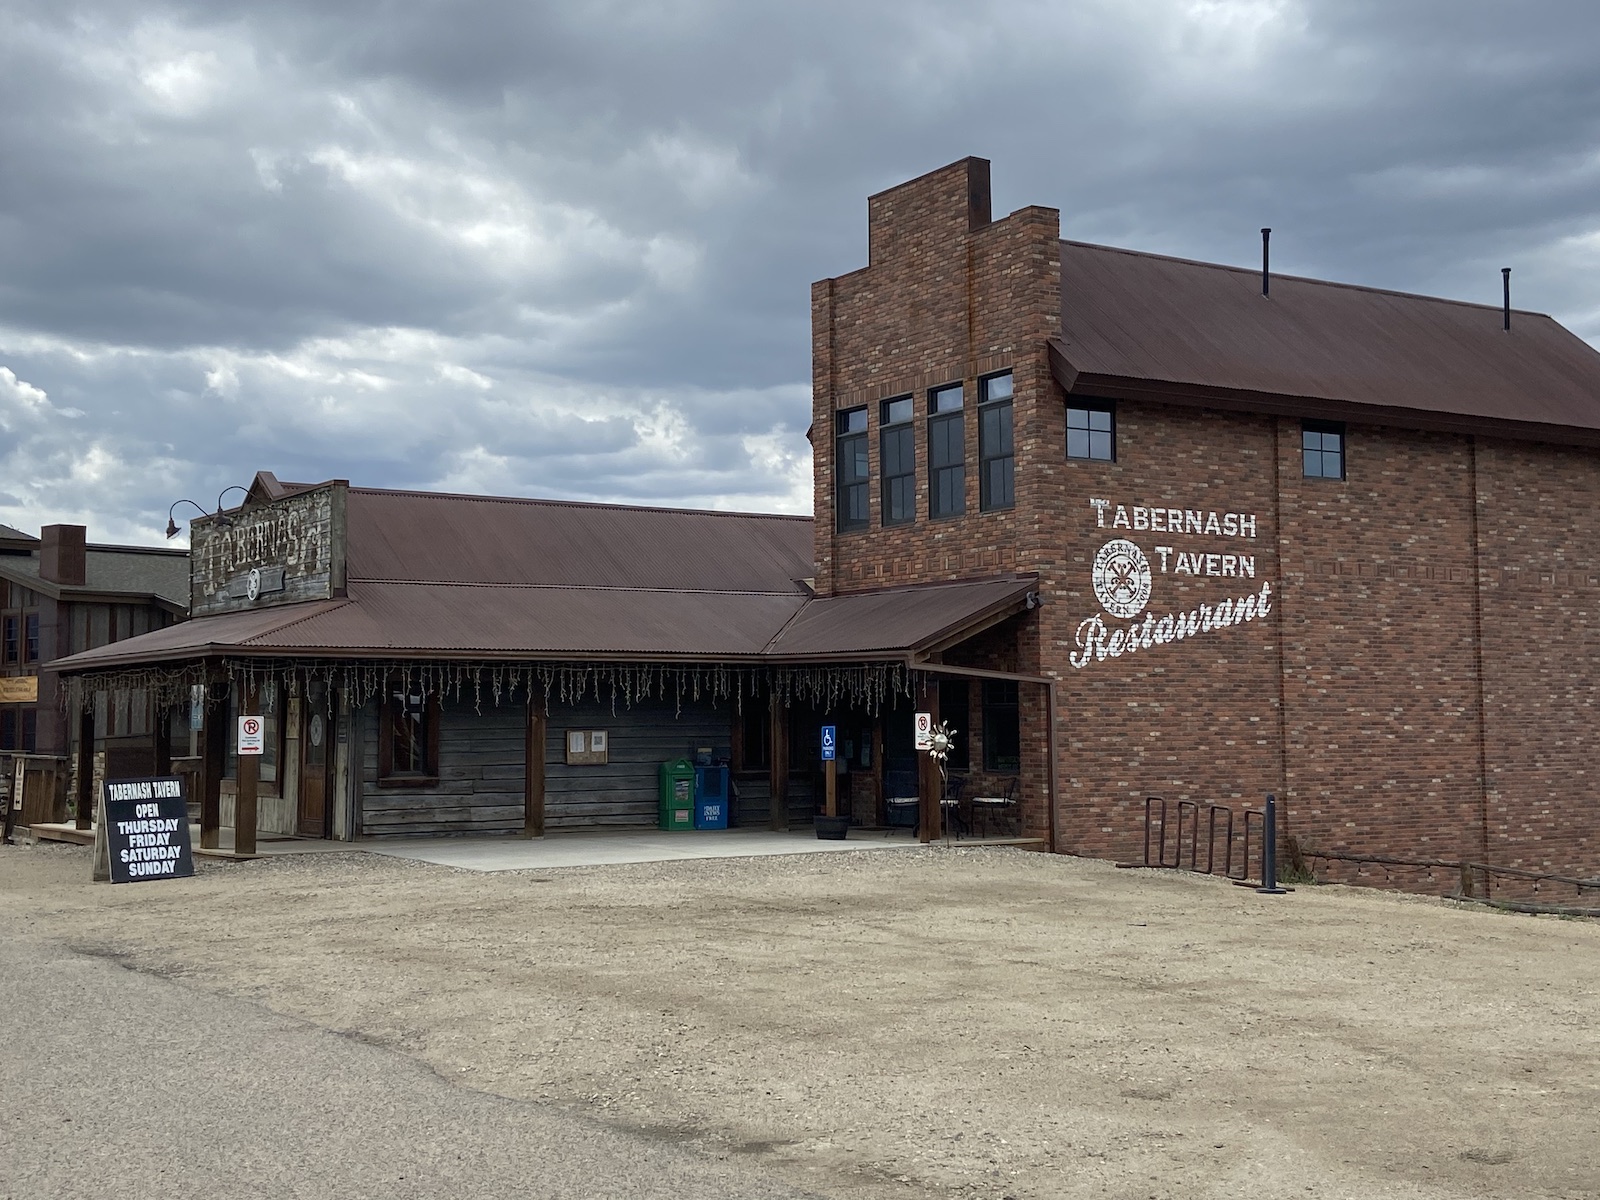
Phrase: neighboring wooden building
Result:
[60,594]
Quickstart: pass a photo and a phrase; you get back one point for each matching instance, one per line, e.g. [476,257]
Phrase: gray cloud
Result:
[565,250]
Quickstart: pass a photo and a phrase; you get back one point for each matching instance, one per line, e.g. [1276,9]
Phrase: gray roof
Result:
[123,572]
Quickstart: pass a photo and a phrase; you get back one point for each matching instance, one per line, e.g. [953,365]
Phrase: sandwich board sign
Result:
[924,731]
[143,830]
[252,736]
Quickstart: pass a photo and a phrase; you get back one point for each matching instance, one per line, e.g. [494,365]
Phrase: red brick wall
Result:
[1364,697]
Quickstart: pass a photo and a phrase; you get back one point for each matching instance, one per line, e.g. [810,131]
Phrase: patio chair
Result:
[1002,805]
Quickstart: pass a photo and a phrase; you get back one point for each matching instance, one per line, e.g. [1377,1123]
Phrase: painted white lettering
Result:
[1230,524]
[1100,511]
[1090,640]
[1247,566]
[1174,520]
[1163,633]
[1163,551]
[1184,566]
[1141,517]
[1191,520]
[1230,565]
[1213,563]
[1211,524]
[1205,618]
[1115,642]
[1247,525]
[1224,615]
[1120,521]
[1158,520]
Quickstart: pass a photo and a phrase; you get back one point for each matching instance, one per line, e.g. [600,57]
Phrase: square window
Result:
[1091,430]
[947,399]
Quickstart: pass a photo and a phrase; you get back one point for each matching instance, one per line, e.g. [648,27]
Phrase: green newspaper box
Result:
[677,794]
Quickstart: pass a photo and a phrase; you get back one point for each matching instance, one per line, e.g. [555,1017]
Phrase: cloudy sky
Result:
[519,247]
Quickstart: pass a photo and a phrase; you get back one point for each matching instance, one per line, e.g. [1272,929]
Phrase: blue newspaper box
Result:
[711,797]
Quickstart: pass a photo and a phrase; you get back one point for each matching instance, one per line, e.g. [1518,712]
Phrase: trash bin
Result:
[711,798]
[677,794]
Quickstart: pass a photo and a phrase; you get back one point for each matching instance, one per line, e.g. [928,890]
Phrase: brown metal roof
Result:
[900,618]
[469,621]
[484,539]
[1145,325]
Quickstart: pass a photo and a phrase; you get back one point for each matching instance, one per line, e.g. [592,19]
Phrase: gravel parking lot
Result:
[970,1022]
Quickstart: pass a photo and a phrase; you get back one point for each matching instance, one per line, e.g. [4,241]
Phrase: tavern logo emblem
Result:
[1122,578]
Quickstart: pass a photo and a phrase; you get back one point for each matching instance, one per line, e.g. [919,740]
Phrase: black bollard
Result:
[1269,850]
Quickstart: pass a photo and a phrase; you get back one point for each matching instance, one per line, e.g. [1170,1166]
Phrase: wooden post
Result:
[930,784]
[244,807]
[161,741]
[880,812]
[778,812]
[533,797]
[831,803]
[85,797]
[214,762]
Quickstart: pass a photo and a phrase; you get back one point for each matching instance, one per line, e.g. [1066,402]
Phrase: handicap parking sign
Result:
[828,743]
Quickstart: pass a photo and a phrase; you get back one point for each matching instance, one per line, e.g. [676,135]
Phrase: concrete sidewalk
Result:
[632,846]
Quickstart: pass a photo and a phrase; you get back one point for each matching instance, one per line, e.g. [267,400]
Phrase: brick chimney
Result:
[63,557]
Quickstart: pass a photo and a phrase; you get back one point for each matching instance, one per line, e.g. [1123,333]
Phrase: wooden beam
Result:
[533,797]
[831,802]
[85,790]
[880,812]
[930,784]
[778,812]
[244,808]
[214,761]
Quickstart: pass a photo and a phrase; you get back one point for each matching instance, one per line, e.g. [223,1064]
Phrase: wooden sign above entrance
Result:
[279,553]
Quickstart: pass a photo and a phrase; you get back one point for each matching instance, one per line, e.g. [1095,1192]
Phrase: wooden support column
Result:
[880,811]
[161,741]
[830,806]
[244,807]
[533,797]
[85,791]
[778,813]
[930,784]
[213,763]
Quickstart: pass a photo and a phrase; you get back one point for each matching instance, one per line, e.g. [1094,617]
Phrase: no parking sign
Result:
[252,737]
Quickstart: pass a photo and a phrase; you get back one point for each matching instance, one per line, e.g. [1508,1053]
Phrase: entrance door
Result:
[316,733]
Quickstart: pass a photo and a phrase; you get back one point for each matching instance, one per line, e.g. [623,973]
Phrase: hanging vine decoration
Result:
[863,685]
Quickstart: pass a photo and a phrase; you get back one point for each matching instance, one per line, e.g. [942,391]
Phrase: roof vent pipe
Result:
[1505,285]
[1266,277]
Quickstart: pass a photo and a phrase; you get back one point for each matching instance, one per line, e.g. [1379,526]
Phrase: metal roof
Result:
[1137,324]
[423,536]
[496,621]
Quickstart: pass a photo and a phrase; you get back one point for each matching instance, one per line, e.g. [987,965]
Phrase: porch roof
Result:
[399,619]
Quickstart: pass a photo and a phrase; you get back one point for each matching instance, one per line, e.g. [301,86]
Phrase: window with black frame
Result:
[947,452]
[1322,449]
[1002,730]
[1091,430]
[408,735]
[897,460]
[851,470]
[996,456]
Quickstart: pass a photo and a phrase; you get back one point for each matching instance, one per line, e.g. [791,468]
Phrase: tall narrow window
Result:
[1002,732]
[408,735]
[947,452]
[996,458]
[30,640]
[851,469]
[12,653]
[897,455]
[1091,429]
[1322,449]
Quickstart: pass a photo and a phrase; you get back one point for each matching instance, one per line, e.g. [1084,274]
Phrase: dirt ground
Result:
[973,1023]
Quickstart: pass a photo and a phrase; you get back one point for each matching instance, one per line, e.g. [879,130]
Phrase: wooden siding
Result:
[481,773]
[623,793]
[753,807]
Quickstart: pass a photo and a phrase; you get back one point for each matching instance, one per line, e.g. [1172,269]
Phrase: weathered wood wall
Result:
[623,793]
[481,773]
[753,807]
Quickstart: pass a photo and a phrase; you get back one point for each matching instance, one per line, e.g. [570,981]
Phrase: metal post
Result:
[1269,850]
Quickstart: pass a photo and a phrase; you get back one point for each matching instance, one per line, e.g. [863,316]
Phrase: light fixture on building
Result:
[222,521]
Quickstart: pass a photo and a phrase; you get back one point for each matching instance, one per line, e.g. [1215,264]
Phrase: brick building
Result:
[1326,541]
